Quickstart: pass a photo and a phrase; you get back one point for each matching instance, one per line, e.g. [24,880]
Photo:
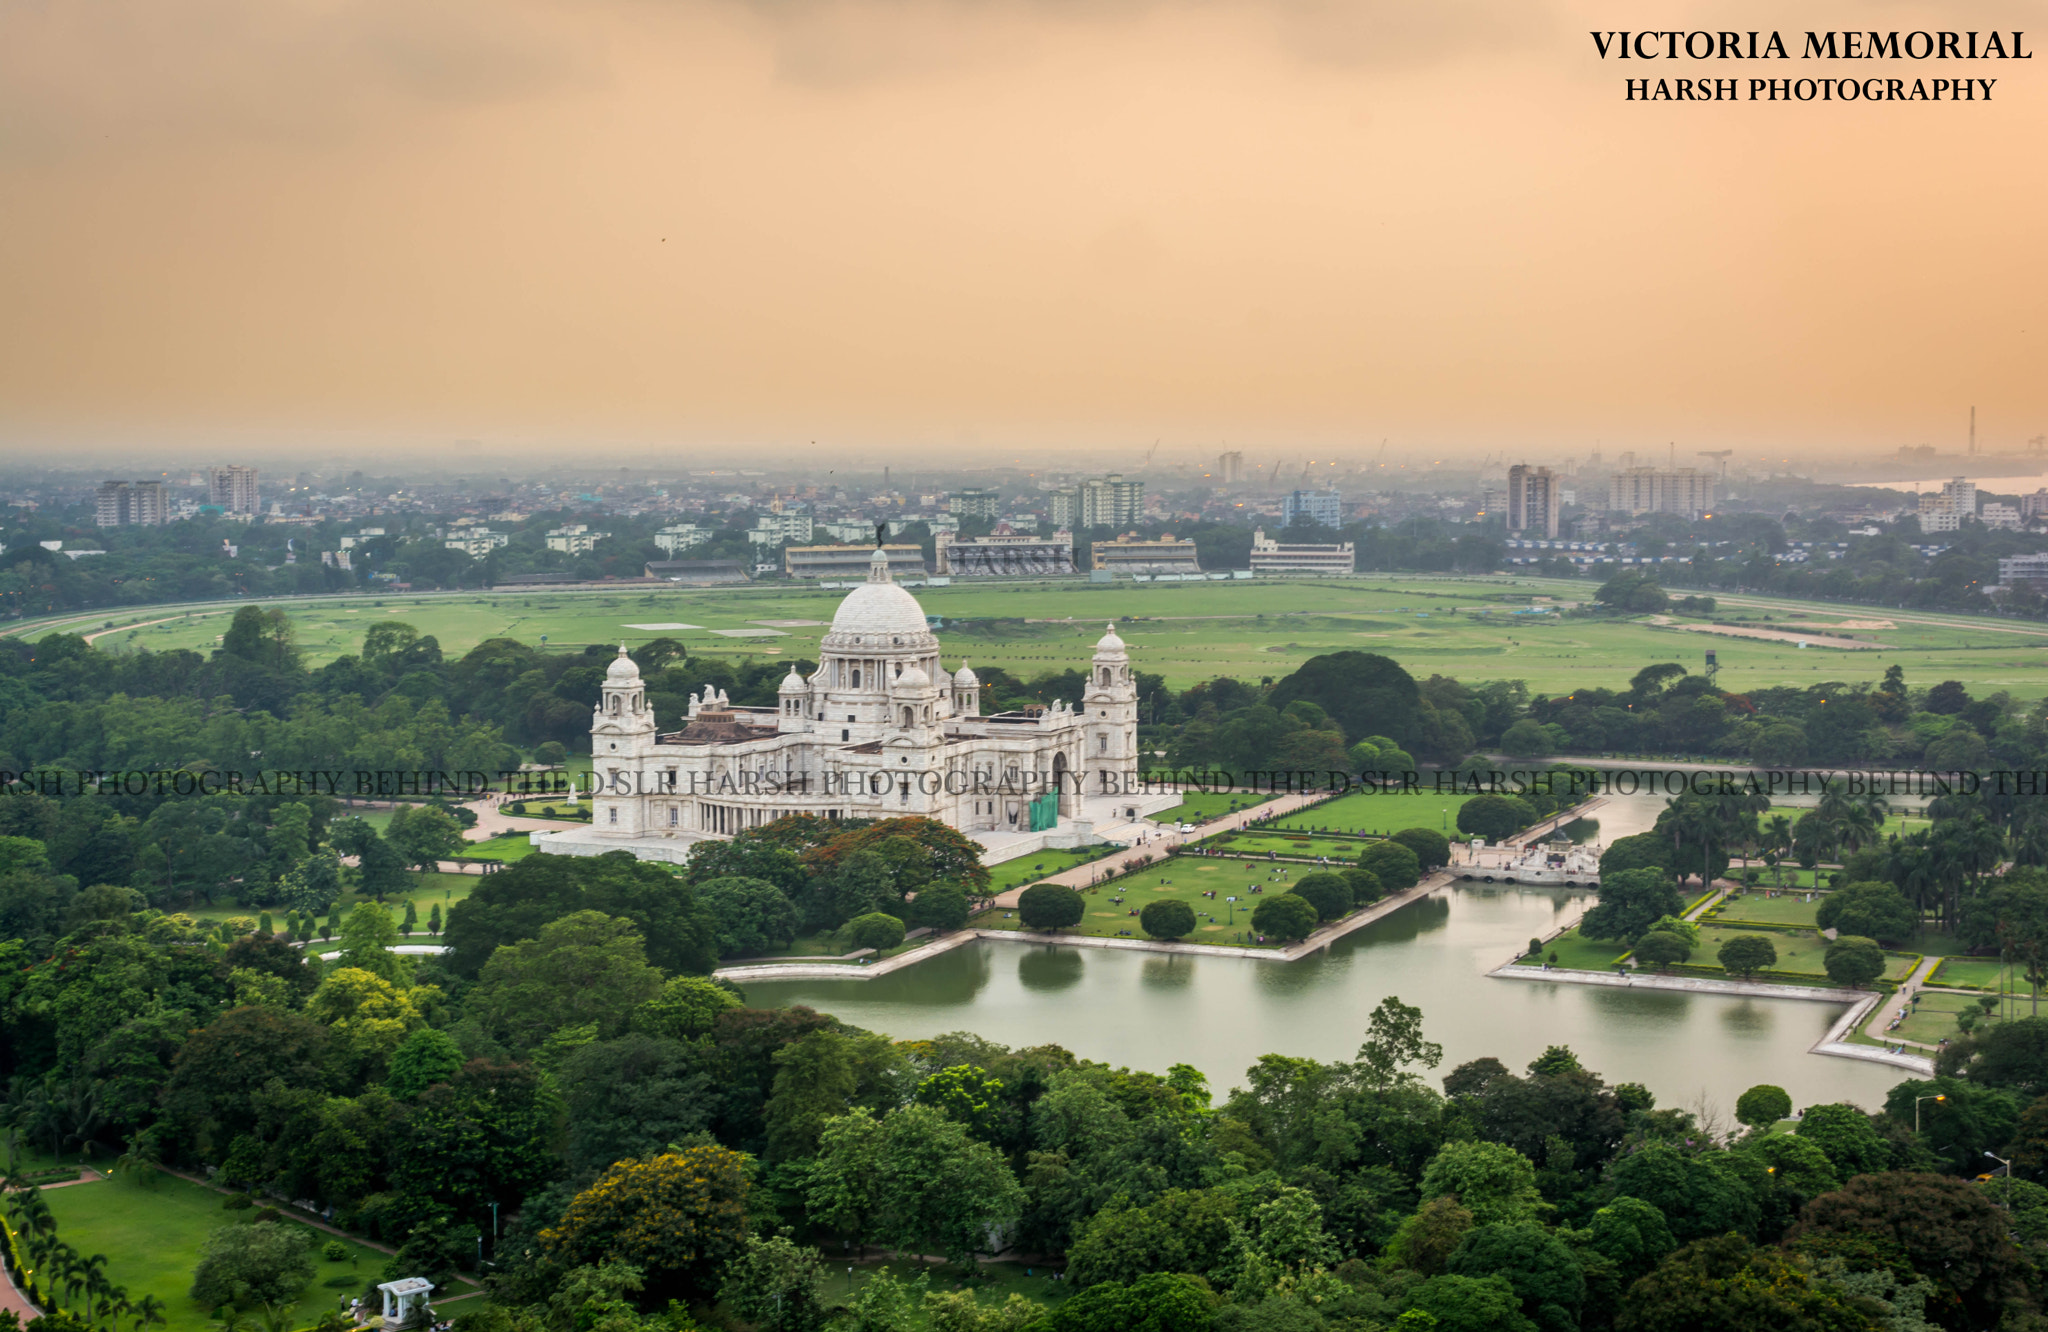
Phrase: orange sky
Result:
[1006,224]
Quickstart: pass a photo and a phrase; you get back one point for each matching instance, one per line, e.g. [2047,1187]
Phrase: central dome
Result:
[880,608]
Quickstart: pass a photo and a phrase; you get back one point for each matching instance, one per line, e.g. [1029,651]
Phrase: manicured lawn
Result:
[1186,878]
[1791,909]
[1259,843]
[506,847]
[152,1235]
[1987,973]
[1799,953]
[1934,1017]
[1371,812]
[1031,868]
[1578,953]
[1200,806]
[1793,877]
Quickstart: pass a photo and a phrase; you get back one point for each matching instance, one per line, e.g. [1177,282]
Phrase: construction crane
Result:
[1720,457]
[1148,454]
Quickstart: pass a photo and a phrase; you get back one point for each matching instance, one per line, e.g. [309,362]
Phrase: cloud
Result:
[106,75]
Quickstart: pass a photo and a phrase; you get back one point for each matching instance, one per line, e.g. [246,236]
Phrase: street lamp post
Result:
[2002,1161]
[1916,1108]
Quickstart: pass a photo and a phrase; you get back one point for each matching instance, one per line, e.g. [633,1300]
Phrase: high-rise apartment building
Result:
[1230,468]
[1321,508]
[131,504]
[232,488]
[1110,501]
[974,502]
[1533,500]
[1944,511]
[1682,490]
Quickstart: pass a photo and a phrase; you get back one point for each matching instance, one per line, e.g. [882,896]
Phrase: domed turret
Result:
[912,678]
[965,679]
[623,670]
[1109,642]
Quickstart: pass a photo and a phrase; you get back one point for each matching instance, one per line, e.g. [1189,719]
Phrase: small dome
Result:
[1109,642]
[913,677]
[793,683]
[622,670]
[965,678]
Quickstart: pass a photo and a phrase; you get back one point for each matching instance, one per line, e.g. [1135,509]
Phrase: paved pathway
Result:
[1896,1003]
[1133,857]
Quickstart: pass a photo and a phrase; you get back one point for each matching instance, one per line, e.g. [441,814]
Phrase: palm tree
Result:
[92,1275]
[1858,827]
[1777,842]
[141,1159]
[150,1311]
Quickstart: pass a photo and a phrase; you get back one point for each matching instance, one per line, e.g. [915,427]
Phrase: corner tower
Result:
[1111,707]
[621,737]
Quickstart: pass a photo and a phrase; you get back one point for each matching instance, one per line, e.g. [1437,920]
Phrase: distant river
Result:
[1220,1014]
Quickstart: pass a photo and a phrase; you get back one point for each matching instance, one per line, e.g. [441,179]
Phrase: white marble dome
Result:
[913,677]
[622,670]
[880,609]
[965,678]
[1109,642]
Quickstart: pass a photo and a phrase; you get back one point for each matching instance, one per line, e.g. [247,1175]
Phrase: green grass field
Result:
[1985,973]
[1009,874]
[1787,910]
[152,1235]
[1370,812]
[1260,843]
[1200,806]
[1934,1018]
[1799,954]
[1186,632]
[1185,878]
[507,847]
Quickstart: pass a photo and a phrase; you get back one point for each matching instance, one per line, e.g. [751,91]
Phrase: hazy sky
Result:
[1002,225]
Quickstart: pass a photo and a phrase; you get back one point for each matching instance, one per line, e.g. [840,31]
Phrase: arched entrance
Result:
[1059,781]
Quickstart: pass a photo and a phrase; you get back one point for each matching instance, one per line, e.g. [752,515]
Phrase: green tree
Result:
[1323,890]
[1847,1136]
[426,1056]
[679,1217]
[1284,916]
[1647,850]
[1493,1182]
[1703,1194]
[1747,954]
[1853,961]
[261,1263]
[1154,1302]
[941,907]
[1393,1041]
[913,1180]
[1544,1274]
[1465,1304]
[1493,817]
[1724,1284]
[1396,867]
[368,934]
[1049,906]
[2012,1054]
[1944,1227]
[1873,910]
[776,1285]
[424,835]
[1365,886]
[686,1008]
[1662,948]
[1169,918]
[877,930]
[584,969]
[1630,902]
[1432,849]
[1762,1106]
[381,869]
[751,916]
